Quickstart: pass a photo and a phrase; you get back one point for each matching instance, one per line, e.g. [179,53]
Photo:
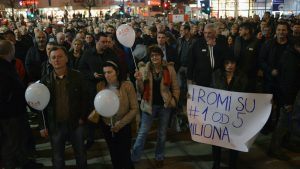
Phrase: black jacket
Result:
[289,73]
[247,54]
[90,63]
[199,67]
[268,60]
[180,42]
[12,92]
[76,89]
[238,83]
[74,61]
[33,63]
[171,54]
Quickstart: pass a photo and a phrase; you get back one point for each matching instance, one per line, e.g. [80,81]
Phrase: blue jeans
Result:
[58,141]
[146,122]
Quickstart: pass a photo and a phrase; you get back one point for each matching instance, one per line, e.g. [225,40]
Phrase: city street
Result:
[181,153]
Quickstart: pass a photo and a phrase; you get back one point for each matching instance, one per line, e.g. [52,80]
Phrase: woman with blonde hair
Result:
[75,53]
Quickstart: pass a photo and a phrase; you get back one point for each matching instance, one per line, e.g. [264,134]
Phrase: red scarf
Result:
[166,80]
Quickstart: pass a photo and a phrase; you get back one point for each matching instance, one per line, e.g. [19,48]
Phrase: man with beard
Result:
[36,55]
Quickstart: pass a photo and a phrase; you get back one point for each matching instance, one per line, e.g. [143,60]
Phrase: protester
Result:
[157,81]
[204,58]
[246,50]
[289,86]
[12,110]
[230,78]
[269,60]
[75,53]
[118,135]
[170,54]
[184,46]
[46,66]
[91,67]
[89,42]
[66,111]
[61,40]
[36,55]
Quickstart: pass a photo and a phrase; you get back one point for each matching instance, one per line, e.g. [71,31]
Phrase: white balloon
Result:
[37,96]
[126,35]
[107,103]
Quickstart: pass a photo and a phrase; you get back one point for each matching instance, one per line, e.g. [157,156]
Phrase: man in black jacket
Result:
[91,67]
[246,51]
[36,55]
[170,54]
[12,109]
[205,57]
[289,85]
[269,61]
[92,61]
[66,111]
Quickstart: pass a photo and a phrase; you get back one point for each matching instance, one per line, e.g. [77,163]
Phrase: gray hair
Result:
[211,26]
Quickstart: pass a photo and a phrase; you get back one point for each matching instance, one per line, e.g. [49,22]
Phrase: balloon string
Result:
[112,125]
[44,120]
[133,59]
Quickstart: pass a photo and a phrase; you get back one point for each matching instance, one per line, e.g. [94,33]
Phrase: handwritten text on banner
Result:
[227,119]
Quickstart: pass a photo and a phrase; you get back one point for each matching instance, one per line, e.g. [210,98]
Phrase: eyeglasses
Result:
[155,55]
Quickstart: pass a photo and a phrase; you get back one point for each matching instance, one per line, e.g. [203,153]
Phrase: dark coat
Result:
[267,58]
[76,89]
[238,83]
[247,57]
[289,73]
[90,63]
[33,63]
[148,40]
[179,50]
[47,68]
[74,61]
[247,54]
[199,67]
[171,54]
[12,92]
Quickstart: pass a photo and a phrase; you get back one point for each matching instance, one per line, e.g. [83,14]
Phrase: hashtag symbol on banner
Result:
[193,112]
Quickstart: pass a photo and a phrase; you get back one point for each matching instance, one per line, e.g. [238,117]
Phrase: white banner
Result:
[178,18]
[226,119]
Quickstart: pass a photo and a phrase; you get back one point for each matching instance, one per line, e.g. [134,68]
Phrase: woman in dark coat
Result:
[232,79]
[75,53]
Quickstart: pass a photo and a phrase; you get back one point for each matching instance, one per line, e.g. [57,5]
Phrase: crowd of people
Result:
[75,61]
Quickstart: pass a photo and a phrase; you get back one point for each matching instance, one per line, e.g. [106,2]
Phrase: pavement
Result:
[180,153]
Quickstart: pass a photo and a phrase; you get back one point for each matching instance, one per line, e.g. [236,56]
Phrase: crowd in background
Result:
[82,57]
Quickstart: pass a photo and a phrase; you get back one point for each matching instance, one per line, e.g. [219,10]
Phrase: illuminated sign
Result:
[28,2]
[154,3]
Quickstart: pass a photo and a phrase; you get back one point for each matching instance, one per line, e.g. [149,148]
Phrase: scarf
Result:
[166,77]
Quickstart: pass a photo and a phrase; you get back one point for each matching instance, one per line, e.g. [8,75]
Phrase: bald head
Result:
[60,37]
[7,50]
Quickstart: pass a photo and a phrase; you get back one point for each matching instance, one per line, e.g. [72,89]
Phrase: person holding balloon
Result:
[66,111]
[117,104]
[157,81]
